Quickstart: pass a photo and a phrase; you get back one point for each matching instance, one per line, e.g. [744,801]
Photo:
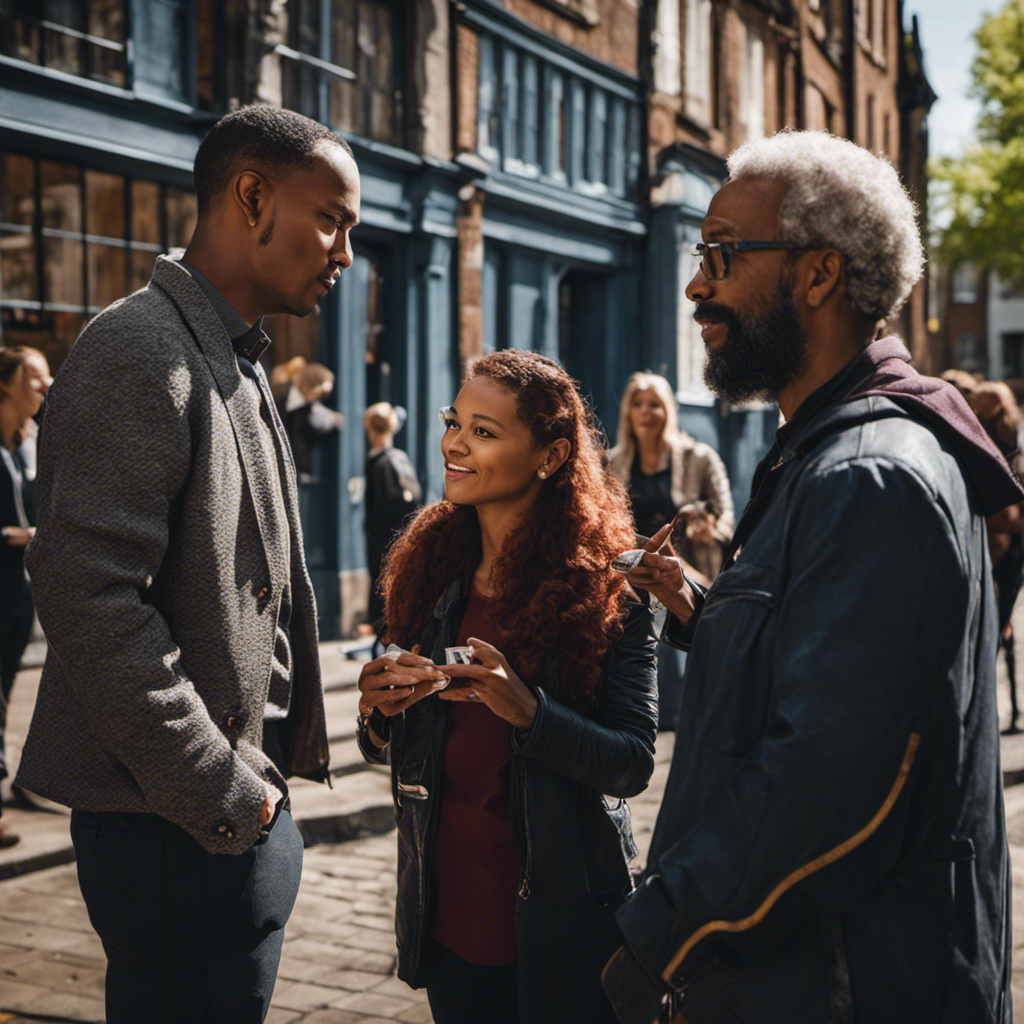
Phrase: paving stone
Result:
[73,1007]
[38,936]
[15,995]
[294,968]
[352,981]
[378,922]
[275,1015]
[48,972]
[342,1017]
[304,995]
[382,942]
[351,959]
[371,1003]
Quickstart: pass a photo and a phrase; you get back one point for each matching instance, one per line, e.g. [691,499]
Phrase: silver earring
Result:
[542,474]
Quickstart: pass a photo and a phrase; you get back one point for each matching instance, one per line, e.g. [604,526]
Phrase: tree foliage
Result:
[982,192]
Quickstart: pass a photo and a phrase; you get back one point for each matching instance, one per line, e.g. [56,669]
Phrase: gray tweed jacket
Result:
[158,573]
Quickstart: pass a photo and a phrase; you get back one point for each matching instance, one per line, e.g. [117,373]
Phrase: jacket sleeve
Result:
[614,753]
[811,812]
[116,451]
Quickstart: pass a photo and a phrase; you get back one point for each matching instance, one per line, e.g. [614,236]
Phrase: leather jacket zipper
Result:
[524,889]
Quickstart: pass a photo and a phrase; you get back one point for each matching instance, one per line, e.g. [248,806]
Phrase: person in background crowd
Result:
[24,380]
[664,470]
[831,843]
[997,411]
[306,418]
[511,862]
[392,494]
[182,681]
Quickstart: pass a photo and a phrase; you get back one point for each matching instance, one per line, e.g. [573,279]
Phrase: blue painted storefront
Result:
[575,263]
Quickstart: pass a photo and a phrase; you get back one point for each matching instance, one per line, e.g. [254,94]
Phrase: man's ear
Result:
[251,192]
[824,274]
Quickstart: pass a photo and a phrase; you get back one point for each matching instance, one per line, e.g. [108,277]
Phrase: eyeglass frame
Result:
[701,250]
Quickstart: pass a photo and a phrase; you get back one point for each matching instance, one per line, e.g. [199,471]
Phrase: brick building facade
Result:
[534,174]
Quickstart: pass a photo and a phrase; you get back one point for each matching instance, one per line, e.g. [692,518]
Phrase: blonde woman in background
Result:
[664,469]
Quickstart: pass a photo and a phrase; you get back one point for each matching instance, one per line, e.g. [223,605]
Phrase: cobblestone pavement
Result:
[339,951]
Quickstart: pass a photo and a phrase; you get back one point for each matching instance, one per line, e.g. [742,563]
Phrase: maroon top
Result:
[476,862]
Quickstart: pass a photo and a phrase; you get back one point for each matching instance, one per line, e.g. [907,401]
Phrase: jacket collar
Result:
[212,338]
[883,370]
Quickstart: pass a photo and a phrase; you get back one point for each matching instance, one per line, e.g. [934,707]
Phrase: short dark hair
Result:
[257,135]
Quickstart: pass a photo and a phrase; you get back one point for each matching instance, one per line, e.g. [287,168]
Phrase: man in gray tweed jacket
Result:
[182,684]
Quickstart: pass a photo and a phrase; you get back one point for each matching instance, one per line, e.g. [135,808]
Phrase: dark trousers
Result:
[460,992]
[15,630]
[189,935]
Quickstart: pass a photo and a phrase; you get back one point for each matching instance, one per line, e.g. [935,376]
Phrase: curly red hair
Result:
[551,579]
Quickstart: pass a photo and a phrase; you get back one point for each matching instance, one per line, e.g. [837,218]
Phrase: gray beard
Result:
[762,355]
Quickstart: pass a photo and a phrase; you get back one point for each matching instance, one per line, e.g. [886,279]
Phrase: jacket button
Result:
[222,828]
[263,592]
[231,722]
[231,835]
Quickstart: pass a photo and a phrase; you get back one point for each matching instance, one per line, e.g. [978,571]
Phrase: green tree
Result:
[981,193]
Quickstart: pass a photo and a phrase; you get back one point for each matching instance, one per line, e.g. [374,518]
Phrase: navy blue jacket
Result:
[831,845]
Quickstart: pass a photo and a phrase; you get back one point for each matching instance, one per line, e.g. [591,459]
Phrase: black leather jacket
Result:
[571,840]
[831,844]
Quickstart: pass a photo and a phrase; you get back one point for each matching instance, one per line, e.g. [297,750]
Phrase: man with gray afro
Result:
[831,846]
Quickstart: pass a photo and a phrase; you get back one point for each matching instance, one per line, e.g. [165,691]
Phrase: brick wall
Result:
[613,37]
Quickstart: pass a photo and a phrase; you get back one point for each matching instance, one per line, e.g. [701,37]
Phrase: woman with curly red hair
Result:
[511,861]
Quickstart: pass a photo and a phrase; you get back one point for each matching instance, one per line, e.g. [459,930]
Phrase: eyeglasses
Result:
[714,256]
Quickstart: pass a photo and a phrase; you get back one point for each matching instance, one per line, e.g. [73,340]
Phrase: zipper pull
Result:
[524,889]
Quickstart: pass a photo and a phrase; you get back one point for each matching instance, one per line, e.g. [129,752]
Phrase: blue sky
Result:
[946,28]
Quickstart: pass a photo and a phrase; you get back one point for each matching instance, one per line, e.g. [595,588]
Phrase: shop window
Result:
[965,283]
[698,59]
[347,73]
[753,83]
[73,240]
[79,37]
[538,119]
[1013,354]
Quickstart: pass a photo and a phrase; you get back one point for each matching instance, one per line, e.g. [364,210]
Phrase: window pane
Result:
[19,35]
[106,20]
[61,196]
[145,197]
[18,267]
[64,329]
[181,217]
[108,273]
[16,189]
[140,267]
[62,261]
[104,204]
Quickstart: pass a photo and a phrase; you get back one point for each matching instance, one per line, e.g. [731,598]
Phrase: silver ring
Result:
[474,695]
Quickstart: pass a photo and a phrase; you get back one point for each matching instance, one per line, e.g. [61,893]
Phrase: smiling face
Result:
[647,415]
[490,455]
[749,321]
[303,243]
[28,386]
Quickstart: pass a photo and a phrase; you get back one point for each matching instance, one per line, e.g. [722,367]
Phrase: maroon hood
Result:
[940,406]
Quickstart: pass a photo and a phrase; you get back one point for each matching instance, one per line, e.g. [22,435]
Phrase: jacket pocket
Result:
[729,671]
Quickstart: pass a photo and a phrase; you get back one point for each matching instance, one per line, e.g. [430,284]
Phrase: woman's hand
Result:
[393,684]
[18,536]
[493,683]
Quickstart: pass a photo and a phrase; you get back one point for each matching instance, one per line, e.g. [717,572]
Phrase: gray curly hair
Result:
[843,197]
